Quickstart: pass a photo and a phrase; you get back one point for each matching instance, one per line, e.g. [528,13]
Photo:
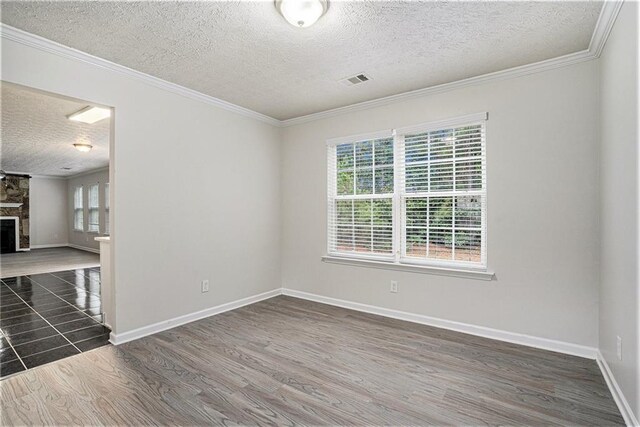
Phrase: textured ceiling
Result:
[37,138]
[247,54]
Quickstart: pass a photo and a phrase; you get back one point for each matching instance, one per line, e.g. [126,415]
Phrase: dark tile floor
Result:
[47,317]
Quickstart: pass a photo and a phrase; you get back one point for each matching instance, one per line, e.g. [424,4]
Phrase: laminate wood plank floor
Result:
[47,260]
[286,361]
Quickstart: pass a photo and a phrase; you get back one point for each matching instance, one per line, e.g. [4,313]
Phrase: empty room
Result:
[320,212]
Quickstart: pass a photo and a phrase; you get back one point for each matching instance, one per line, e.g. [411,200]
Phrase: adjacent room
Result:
[320,212]
[54,192]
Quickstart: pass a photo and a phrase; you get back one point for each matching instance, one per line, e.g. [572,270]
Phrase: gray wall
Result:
[195,190]
[48,216]
[542,161]
[619,293]
[85,238]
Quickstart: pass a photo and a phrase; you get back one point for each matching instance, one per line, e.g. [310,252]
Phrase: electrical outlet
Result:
[619,348]
[394,286]
[205,286]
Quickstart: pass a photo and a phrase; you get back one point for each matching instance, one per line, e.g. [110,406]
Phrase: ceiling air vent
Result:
[355,80]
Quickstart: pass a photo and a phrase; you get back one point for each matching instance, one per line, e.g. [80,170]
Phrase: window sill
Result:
[385,265]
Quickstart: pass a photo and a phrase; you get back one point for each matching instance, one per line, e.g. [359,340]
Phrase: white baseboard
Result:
[51,245]
[500,335]
[616,392]
[84,248]
[496,334]
[134,334]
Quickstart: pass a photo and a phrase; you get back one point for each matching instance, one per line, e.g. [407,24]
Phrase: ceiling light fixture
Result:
[83,147]
[302,13]
[90,115]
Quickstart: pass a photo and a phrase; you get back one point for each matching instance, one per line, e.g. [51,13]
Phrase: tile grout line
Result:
[53,274]
[61,299]
[56,329]
[44,338]
[9,340]
[58,315]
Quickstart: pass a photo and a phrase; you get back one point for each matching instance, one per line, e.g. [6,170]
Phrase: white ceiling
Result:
[247,54]
[38,139]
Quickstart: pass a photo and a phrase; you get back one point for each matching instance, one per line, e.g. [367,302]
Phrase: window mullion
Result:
[453,198]
[373,186]
[398,191]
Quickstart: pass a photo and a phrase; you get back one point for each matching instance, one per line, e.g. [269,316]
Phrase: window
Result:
[78,209]
[94,209]
[411,196]
[106,208]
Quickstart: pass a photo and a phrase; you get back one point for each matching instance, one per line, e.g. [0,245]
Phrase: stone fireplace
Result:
[14,207]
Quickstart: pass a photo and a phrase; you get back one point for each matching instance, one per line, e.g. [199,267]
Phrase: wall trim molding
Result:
[61,178]
[616,392]
[605,22]
[50,245]
[500,335]
[604,25]
[144,331]
[84,248]
[606,19]
[46,45]
[89,172]
[481,331]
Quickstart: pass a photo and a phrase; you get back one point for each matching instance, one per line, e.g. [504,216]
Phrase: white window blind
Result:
[78,209]
[94,208]
[360,206]
[418,197]
[106,208]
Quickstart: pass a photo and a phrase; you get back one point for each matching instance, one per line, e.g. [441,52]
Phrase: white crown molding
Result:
[19,36]
[523,70]
[62,178]
[78,175]
[606,19]
[605,22]
[89,172]
[623,405]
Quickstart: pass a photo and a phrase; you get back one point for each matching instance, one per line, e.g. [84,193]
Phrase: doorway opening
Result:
[55,216]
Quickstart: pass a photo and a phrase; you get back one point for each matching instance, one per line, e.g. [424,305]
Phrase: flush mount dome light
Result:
[83,147]
[302,13]
[90,115]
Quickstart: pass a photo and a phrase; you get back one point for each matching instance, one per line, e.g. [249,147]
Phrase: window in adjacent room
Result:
[106,208]
[94,208]
[415,195]
[78,209]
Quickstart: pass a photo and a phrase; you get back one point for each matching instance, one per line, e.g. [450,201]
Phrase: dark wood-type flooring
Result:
[287,361]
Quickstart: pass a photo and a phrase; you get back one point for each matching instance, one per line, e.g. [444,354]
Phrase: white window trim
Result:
[97,184]
[480,273]
[396,261]
[76,209]
[107,208]
[388,133]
